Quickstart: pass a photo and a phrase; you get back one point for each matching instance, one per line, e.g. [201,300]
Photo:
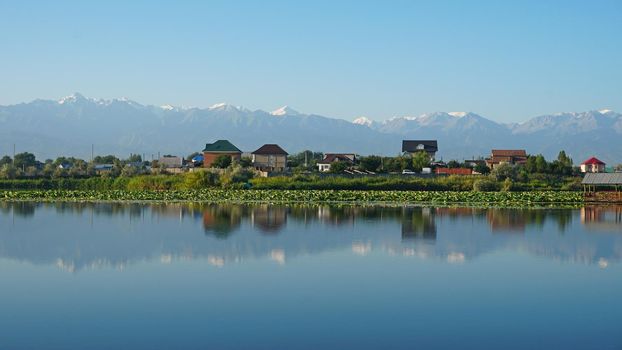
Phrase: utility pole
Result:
[13,155]
[92,151]
[306,159]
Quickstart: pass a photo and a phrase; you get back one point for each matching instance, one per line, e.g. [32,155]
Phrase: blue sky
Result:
[506,60]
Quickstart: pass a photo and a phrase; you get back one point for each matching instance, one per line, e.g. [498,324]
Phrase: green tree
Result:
[420,160]
[504,171]
[370,163]
[339,167]
[25,159]
[246,162]
[482,168]
[222,162]
[6,160]
[453,164]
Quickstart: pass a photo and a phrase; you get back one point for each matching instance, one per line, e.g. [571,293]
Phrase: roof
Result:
[454,171]
[270,149]
[602,179]
[337,157]
[509,153]
[223,146]
[593,160]
[419,145]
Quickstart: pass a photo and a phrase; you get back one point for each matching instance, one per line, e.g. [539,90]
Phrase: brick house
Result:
[509,156]
[217,149]
[269,157]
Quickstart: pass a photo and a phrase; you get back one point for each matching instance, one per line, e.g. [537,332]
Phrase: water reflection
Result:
[75,236]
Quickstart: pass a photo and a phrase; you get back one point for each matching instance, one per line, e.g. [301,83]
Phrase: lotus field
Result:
[301,196]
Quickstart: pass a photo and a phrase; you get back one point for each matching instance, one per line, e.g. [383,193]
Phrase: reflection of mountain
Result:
[82,235]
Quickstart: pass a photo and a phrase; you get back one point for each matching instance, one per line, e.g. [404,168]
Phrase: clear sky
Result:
[506,60]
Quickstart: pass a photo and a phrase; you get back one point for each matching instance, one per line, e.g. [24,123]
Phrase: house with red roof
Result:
[329,158]
[593,165]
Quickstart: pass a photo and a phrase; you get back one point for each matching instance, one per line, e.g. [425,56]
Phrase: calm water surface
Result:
[104,276]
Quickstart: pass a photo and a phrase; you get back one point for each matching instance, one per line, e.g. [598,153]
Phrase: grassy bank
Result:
[534,197]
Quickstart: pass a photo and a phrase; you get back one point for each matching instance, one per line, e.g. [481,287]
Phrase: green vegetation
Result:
[438,197]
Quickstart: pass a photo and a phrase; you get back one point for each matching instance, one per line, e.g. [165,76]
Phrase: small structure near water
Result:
[602,187]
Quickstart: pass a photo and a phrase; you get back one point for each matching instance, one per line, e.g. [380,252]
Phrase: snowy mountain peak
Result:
[458,114]
[223,107]
[363,121]
[75,97]
[605,111]
[167,107]
[285,110]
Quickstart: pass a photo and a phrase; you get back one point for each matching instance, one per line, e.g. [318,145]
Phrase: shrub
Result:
[484,185]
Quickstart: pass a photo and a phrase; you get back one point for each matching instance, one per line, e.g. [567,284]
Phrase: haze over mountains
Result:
[120,126]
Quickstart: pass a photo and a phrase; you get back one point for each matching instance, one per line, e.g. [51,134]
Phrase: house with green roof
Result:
[217,149]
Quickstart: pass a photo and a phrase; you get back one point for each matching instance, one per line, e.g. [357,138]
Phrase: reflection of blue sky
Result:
[75,238]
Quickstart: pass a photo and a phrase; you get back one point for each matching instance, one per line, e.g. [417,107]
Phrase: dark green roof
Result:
[221,146]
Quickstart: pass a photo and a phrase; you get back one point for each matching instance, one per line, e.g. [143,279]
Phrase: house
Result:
[506,156]
[413,146]
[65,166]
[269,157]
[454,171]
[103,168]
[170,162]
[593,165]
[217,149]
[329,158]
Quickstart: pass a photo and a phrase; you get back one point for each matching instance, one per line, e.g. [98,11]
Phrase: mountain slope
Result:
[121,126]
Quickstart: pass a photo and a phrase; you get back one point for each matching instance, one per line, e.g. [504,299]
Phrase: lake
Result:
[155,276]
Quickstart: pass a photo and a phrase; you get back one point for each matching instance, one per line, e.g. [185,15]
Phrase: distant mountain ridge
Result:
[121,126]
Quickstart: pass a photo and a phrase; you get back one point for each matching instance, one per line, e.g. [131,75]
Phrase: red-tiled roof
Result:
[593,160]
[270,149]
[454,171]
[509,153]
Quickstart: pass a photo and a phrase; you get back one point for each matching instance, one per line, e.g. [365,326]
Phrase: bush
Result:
[483,185]
[200,179]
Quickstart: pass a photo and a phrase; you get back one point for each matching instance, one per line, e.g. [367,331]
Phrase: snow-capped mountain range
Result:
[72,124]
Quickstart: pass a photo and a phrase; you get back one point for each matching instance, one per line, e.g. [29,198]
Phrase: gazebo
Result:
[604,181]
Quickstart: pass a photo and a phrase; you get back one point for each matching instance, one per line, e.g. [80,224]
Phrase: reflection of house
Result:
[221,220]
[607,218]
[414,146]
[329,158]
[506,156]
[418,223]
[593,165]
[268,218]
[217,149]
[269,157]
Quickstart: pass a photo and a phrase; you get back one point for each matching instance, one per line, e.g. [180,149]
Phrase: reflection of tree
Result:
[507,220]
[516,220]
[24,209]
[222,220]
[268,218]
[418,222]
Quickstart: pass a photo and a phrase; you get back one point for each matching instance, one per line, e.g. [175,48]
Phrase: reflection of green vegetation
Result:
[419,223]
